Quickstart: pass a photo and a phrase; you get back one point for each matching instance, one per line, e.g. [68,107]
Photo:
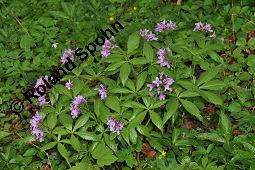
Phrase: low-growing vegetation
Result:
[172,89]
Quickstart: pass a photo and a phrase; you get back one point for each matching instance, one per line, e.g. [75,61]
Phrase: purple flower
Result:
[165,25]
[74,107]
[161,53]
[106,48]
[42,101]
[67,54]
[102,92]
[198,26]
[148,35]
[161,84]
[114,125]
[208,28]
[34,127]
[69,85]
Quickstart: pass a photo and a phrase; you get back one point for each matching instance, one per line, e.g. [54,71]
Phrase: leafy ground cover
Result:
[174,89]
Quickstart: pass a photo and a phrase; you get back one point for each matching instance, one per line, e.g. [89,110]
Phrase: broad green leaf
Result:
[87,135]
[82,120]
[187,85]
[143,130]
[157,104]
[52,119]
[111,143]
[133,42]
[63,152]
[124,73]
[192,109]
[133,104]
[226,126]
[130,84]
[66,120]
[211,137]
[138,61]
[133,135]
[138,119]
[141,80]
[148,52]
[156,120]
[213,85]
[30,152]
[104,155]
[114,66]
[211,97]
[208,75]
[120,90]
[172,107]
[75,143]
[113,103]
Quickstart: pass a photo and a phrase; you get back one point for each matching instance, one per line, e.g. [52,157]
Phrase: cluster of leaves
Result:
[207,122]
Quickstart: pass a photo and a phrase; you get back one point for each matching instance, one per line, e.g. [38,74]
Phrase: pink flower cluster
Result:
[162,61]
[34,127]
[102,92]
[67,54]
[161,82]
[106,48]
[75,106]
[41,85]
[114,125]
[148,35]
[199,26]
[165,25]
[69,85]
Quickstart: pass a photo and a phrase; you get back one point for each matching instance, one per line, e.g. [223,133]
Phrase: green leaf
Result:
[141,80]
[133,104]
[148,52]
[192,109]
[156,120]
[52,119]
[138,61]
[157,104]
[124,72]
[49,146]
[120,90]
[213,85]
[113,103]
[26,42]
[133,42]
[187,85]
[66,120]
[114,66]
[103,154]
[226,126]
[138,119]
[87,135]
[3,134]
[81,121]
[30,152]
[211,97]
[133,135]
[75,143]
[208,75]
[63,152]
[172,107]
[211,137]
